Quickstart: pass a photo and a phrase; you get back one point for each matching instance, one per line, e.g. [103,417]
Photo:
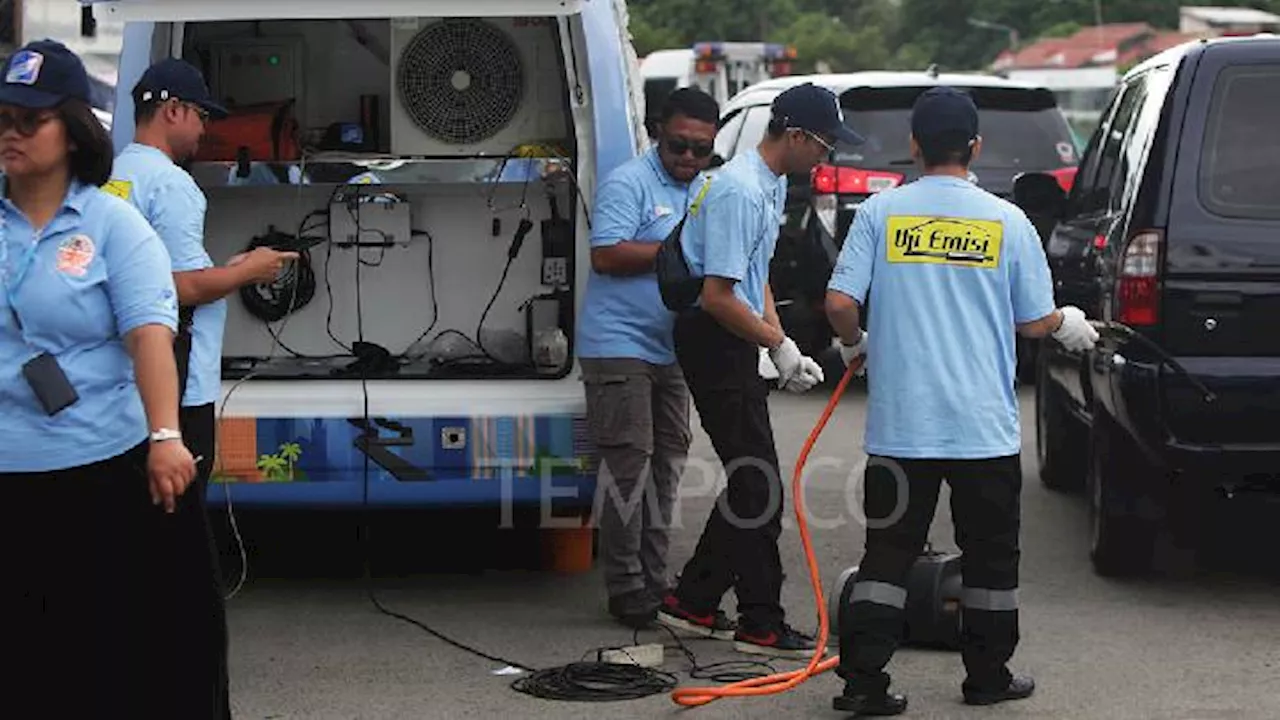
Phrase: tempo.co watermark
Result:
[833,491]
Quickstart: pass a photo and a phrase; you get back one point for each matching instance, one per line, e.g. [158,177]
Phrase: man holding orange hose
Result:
[957,271]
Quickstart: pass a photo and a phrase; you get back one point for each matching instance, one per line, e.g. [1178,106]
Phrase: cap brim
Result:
[844,135]
[28,97]
[216,111]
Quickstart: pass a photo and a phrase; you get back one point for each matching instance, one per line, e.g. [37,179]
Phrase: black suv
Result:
[1170,235]
[1023,131]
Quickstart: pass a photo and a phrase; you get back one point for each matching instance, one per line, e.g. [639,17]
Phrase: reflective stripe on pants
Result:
[985,508]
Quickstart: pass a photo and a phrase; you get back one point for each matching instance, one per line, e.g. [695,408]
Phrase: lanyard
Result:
[24,266]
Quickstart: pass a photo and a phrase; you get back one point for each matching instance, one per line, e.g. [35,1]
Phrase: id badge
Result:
[49,383]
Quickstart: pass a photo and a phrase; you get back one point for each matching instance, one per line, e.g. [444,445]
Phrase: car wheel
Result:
[1121,541]
[1060,440]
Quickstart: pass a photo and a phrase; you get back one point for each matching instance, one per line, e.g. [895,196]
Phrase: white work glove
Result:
[806,376]
[1075,333]
[849,353]
[796,373]
[786,358]
[768,370]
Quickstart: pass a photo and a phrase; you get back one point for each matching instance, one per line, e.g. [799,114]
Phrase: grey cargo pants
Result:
[638,415]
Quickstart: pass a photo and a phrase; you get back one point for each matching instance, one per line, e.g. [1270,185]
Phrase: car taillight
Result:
[830,179]
[1066,177]
[1138,293]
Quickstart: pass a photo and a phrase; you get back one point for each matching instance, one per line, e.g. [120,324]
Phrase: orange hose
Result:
[782,682]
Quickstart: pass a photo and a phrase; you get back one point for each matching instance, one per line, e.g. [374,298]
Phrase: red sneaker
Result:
[676,616]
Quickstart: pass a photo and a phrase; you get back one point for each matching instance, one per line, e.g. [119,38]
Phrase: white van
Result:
[423,336]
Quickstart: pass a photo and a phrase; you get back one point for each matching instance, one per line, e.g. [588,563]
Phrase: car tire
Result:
[1061,442]
[1122,541]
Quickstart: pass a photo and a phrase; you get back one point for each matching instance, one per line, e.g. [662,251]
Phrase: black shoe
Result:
[782,641]
[882,704]
[637,610]
[1019,688]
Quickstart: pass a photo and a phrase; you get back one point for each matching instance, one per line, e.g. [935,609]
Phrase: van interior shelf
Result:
[338,169]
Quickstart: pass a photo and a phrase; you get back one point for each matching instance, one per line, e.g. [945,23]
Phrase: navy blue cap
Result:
[816,109]
[944,114]
[173,78]
[43,73]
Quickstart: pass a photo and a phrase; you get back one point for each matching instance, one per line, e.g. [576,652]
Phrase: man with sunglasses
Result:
[729,241]
[172,105]
[637,401]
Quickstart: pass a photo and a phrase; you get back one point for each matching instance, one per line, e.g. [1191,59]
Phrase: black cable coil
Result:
[595,682]
[273,301]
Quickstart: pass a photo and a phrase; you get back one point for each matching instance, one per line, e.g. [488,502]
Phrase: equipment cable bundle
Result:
[292,289]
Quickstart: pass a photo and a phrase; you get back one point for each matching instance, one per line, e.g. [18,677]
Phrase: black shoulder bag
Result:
[677,284]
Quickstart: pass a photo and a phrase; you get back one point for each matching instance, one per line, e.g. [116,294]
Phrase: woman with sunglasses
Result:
[91,467]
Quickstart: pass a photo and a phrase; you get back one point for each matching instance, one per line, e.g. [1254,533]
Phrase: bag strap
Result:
[696,205]
[182,346]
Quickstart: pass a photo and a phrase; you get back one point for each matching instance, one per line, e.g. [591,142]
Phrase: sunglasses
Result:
[199,111]
[679,146]
[27,123]
[829,147]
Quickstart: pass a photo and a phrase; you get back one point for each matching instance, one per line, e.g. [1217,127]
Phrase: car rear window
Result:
[1021,129]
[1240,158]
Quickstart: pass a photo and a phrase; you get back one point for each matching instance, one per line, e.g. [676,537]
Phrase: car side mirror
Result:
[1040,196]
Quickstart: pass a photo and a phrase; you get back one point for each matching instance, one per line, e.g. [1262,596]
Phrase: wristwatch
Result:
[163,434]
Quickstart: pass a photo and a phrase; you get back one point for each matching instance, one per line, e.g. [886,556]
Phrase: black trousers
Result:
[106,596]
[208,628]
[901,496]
[739,545]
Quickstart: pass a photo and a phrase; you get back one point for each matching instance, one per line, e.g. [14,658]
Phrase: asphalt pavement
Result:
[307,641]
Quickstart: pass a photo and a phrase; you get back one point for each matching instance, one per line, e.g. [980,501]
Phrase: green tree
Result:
[272,467]
[291,453]
[893,34]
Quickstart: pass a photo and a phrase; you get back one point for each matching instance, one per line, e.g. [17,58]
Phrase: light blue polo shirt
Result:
[94,273]
[734,230]
[174,205]
[623,317]
[950,269]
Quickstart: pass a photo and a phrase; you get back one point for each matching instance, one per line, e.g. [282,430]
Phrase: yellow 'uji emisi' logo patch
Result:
[947,241]
[120,188]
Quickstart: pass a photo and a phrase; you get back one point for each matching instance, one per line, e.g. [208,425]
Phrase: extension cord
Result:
[650,655]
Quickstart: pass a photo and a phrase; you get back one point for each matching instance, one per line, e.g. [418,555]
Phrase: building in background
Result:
[1226,21]
[1083,69]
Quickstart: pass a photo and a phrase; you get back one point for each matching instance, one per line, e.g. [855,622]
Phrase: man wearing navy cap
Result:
[171,106]
[729,239]
[952,272]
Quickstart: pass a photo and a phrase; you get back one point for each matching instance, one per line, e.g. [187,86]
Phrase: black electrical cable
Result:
[513,252]
[1130,334]
[328,291]
[595,682]
[583,681]
[293,289]
[363,530]
[431,280]
[730,671]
